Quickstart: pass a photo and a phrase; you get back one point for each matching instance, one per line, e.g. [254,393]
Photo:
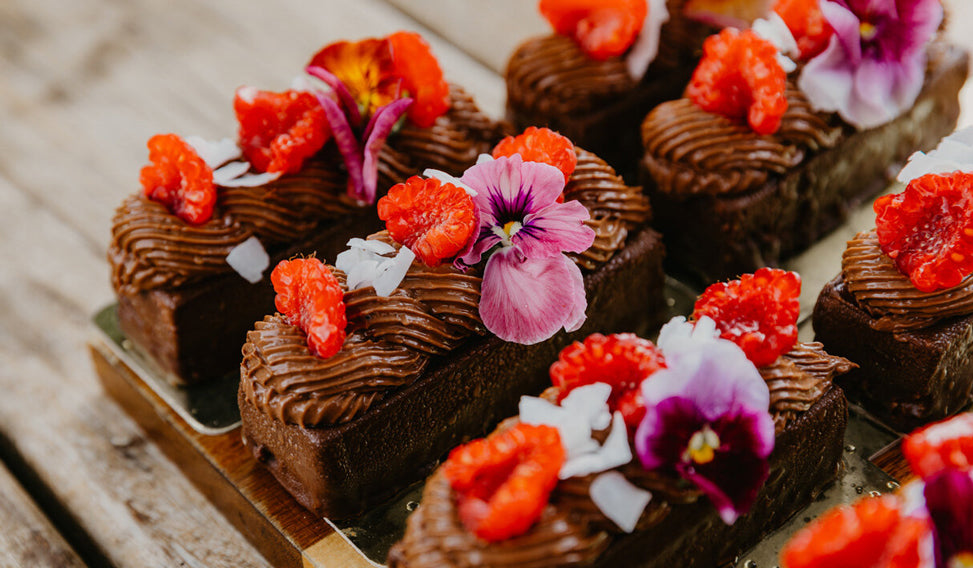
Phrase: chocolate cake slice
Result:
[419,373]
[184,307]
[729,200]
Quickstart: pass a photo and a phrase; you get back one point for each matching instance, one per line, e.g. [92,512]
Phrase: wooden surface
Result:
[83,85]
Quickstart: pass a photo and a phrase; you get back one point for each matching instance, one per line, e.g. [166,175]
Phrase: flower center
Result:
[962,560]
[507,232]
[702,446]
[867,30]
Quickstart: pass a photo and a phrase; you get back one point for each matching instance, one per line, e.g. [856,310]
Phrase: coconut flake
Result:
[954,153]
[483,158]
[366,263]
[446,178]
[618,499]
[590,402]
[217,153]
[392,271]
[252,180]
[230,172]
[575,434]
[249,259]
[615,452]
[646,46]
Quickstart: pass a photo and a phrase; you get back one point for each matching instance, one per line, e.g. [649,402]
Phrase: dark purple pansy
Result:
[949,500]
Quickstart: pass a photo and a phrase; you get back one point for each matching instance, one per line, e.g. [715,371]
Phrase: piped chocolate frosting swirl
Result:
[150,248]
[889,297]
[690,151]
[800,378]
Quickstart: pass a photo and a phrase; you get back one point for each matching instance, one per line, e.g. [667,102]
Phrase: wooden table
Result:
[83,85]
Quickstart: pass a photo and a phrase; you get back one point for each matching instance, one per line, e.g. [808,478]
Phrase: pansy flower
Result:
[376,82]
[530,288]
[706,419]
[872,69]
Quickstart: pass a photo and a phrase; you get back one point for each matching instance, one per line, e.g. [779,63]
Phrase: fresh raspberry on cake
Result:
[540,145]
[309,295]
[945,444]
[503,481]
[179,179]
[621,360]
[279,131]
[602,28]
[807,23]
[758,312]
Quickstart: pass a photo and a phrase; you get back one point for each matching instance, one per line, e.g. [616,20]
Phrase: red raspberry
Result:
[602,28]
[278,131]
[434,219]
[503,481]
[179,179]
[945,444]
[622,360]
[846,537]
[540,145]
[422,77]
[309,295]
[807,23]
[928,229]
[738,77]
[758,312]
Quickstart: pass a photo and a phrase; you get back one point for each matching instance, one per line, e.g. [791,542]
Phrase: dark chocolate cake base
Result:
[713,238]
[194,332]
[339,471]
[907,378]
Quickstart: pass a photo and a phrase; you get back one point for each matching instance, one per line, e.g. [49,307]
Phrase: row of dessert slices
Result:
[428,332]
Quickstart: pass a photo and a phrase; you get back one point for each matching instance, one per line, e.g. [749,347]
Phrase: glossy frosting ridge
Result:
[799,378]
[889,297]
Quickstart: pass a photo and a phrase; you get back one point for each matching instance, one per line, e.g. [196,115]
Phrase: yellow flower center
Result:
[702,446]
[962,560]
[867,30]
[507,232]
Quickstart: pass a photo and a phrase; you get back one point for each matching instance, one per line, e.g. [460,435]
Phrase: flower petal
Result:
[509,189]
[827,80]
[731,481]
[949,499]
[347,143]
[528,301]
[344,95]
[557,228]
[665,431]
[378,130]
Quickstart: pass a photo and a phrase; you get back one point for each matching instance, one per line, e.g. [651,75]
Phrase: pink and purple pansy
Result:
[530,288]
[949,501]
[707,419]
[872,69]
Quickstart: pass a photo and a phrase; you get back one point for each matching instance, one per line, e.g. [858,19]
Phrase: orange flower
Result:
[366,68]
[421,76]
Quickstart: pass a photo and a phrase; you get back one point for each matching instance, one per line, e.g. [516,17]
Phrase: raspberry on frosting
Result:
[540,145]
[309,295]
[601,28]
[279,131]
[179,179]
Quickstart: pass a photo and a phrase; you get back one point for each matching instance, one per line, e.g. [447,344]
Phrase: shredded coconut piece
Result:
[366,263]
[215,153]
[446,178]
[619,500]
[249,259]
[646,46]
[954,153]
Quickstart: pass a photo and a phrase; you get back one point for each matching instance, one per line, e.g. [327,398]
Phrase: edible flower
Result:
[601,28]
[530,288]
[873,67]
[375,82]
[707,420]
[807,25]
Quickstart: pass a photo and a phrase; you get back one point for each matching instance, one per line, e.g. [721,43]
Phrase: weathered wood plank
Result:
[84,85]
[27,537]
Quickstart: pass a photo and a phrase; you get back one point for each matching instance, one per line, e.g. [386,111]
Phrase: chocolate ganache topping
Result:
[800,378]
[690,151]
[151,248]
[889,297]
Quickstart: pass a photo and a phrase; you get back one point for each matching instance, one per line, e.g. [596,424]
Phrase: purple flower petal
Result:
[557,228]
[344,95]
[347,143]
[509,189]
[528,300]
[949,500]
[731,481]
[664,432]
[847,31]
[378,130]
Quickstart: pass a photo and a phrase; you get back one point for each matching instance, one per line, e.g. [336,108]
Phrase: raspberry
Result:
[846,537]
[758,312]
[928,229]
[601,28]
[945,444]
[540,145]
[179,179]
[808,25]
[738,77]
[309,295]
[622,360]
[503,481]
[434,219]
[422,77]
[278,131]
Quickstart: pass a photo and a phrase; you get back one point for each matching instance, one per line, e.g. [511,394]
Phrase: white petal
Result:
[482,158]
[249,259]
[446,178]
[393,271]
[615,452]
[217,153]
[230,172]
[619,500]
[646,45]
[252,180]
[575,434]
[590,403]
[346,260]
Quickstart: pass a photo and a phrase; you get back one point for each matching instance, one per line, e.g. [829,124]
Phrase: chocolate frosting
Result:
[799,378]
[690,151]
[889,297]
[151,248]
